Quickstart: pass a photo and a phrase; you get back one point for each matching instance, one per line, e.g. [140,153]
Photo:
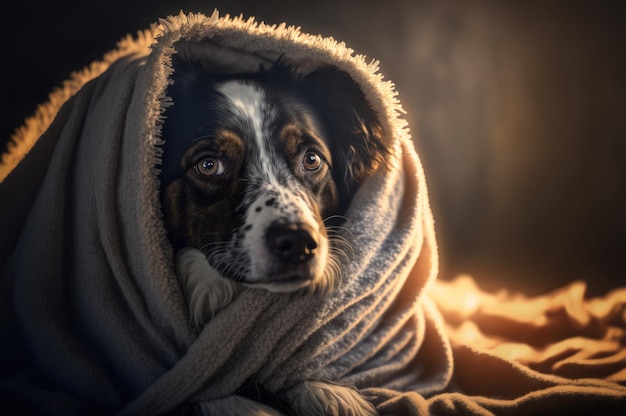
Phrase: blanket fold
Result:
[94,320]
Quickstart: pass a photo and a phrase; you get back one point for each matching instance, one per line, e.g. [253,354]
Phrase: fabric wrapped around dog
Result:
[94,319]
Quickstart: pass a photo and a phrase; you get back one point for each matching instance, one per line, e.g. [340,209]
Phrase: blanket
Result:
[94,321]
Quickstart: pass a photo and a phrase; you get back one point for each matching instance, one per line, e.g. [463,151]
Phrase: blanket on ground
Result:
[93,319]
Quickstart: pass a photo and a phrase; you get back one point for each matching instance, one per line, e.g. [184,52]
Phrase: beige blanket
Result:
[93,319]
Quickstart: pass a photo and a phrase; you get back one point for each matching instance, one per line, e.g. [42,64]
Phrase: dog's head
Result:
[258,168]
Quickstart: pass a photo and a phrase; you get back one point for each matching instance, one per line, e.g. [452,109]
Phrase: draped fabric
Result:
[93,316]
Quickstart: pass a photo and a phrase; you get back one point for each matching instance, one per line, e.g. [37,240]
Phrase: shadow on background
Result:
[517,111]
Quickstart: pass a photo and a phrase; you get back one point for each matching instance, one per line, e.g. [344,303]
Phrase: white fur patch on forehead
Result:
[249,102]
[246,97]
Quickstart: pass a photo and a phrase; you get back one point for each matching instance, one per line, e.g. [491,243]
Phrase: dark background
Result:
[518,110]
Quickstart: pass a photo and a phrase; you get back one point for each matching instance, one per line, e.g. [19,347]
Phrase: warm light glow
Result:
[470,301]
[462,296]
[560,332]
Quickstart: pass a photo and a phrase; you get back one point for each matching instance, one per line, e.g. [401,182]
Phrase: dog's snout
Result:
[295,243]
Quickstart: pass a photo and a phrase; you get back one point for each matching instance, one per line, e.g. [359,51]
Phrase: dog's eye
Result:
[311,161]
[210,167]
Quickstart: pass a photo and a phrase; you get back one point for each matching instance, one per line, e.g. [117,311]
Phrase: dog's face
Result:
[256,167]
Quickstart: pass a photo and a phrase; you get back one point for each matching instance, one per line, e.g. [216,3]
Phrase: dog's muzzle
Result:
[284,241]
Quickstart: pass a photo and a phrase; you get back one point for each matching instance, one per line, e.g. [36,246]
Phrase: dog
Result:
[257,172]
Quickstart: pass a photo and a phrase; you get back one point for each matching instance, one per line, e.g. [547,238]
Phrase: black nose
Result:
[295,243]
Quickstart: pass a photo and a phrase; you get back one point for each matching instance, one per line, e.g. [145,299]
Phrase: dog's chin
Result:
[286,278]
[284,284]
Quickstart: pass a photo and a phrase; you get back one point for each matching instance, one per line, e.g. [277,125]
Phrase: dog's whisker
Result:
[206,125]
[216,244]
[346,228]
[226,263]
[345,219]
[211,251]
[340,241]
[338,253]
[334,237]
[344,247]
[339,232]
[218,254]
[333,273]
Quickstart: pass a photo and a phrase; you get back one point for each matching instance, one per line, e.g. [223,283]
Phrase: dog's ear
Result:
[190,91]
[187,71]
[172,214]
[354,130]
